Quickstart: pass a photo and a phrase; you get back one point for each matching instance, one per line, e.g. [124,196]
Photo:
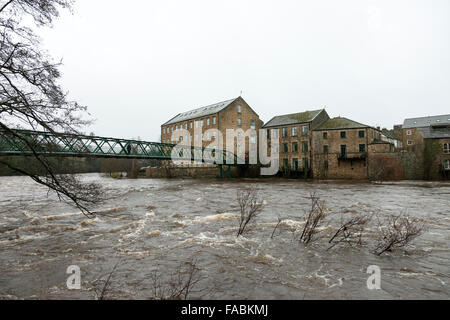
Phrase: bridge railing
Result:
[26,142]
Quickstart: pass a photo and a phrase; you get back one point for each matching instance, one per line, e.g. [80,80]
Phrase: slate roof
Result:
[340,123]
[425,121]
[432,133]
[200,112]
[293,118]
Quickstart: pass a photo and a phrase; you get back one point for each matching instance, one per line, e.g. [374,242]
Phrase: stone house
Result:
[433,143]
[340,149]
[410,126]
[206,125]
[295,138]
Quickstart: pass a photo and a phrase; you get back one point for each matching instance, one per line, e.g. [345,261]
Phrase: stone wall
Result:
[199,172]
[228,119]
[385,166]
[330,164]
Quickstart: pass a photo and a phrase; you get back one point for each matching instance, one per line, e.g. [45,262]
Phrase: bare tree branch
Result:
[250,207]
[351,230]
[31,97]
[314,219]
[397,231]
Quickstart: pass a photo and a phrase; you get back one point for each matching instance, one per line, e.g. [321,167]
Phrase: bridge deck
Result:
[28,143]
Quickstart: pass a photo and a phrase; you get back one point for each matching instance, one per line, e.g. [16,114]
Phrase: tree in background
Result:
[31,97]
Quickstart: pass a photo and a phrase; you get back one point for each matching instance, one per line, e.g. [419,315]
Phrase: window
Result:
[325,135]
[253,139]
[253,124]
[447,147]
[239,108]
[239,122]
[208,136]
[268,133]
[325,149]
[361,134]
[196,123]
[294,147]
[305,146]
[447,164]
[186,126]
[239,136]
[362,148]
[164,130]
[343,150]
[285,132]
[343,134]
[208,121]
[176,128]
[192,125]
[304,130]
[325,164]
[285,147]
[305,163]
[294,131]
[285,163]
[275,133]
[409,142]
[202,123]
[214,120]
[408,132]
[295,164]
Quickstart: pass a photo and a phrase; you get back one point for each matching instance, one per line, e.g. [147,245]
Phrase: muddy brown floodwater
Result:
[149,225]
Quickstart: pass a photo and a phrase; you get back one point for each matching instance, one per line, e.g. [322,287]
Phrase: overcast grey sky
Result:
[136,64]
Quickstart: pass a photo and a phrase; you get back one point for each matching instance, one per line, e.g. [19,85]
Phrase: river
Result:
[149,228]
